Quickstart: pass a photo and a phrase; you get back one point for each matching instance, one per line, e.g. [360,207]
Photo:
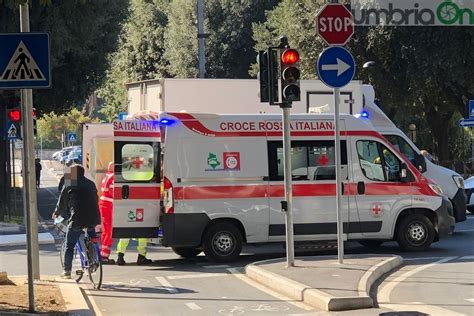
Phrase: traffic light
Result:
[290,75]
[35,129]
[268,75]
[14,116]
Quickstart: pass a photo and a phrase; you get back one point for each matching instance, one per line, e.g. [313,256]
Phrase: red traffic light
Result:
[290,56]
[14,116]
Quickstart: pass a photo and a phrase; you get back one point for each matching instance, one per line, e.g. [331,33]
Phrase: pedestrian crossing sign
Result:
[13,131]
[24,61]
[71,137]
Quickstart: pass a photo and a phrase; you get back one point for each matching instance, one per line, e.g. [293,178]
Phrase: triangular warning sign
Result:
[12,131]
[22,66]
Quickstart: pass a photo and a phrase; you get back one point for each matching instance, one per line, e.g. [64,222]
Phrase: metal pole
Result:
[290,250]
[201,38]
[337,147]
[29,185]
[14,181]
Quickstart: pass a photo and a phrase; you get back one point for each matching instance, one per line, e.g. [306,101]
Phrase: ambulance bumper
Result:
[183,230]
[445,219]
[460,205]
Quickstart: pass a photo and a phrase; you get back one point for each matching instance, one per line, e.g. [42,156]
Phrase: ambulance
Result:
[223,185]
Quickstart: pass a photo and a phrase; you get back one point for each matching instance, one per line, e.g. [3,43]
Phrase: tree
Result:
[82,33]
[51,126]
[139,55]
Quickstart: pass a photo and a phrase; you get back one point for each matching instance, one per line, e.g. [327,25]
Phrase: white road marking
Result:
[91,299]
[470,217]
[424,258]
[221,266]
[464,230]
[166,285]
[196,276]
[467,258]
[383,295]
[241,276]
[193,306]
[421,308]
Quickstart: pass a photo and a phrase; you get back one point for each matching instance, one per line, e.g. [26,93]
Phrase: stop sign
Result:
[335,24]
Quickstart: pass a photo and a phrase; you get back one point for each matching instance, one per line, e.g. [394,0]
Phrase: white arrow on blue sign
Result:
[471,109]
[336,67]
[467,123]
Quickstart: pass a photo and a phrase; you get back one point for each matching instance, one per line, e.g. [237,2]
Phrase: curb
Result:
[320,299]
[20,239]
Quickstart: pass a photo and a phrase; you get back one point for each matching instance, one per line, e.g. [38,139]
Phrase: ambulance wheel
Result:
[222,242]
[371,243]
[415,232]
[187,253]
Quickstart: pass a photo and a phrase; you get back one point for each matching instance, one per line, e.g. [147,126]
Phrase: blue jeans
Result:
[72,236]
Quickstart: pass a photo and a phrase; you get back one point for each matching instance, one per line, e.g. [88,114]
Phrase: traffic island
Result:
[53,296]
[324,283]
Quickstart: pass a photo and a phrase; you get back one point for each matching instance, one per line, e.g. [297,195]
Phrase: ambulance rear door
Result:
[137,179]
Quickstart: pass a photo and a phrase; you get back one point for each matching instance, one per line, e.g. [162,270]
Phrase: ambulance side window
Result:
[310,160]
[402,147]
[137,162]
[378,163]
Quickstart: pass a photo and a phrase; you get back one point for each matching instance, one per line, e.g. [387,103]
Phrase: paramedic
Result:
[106,207]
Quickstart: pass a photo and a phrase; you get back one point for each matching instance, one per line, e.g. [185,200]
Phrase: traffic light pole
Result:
[290,248]
[29,176]
[337,148]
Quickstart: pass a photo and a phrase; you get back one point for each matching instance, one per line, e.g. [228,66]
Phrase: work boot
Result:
[105,260]
[142,260]
[66,274]
[120,259]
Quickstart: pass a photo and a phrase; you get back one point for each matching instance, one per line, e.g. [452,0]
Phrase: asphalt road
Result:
[439,281]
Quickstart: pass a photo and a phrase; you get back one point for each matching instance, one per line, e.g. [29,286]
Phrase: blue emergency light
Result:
[364,114]
[166,121]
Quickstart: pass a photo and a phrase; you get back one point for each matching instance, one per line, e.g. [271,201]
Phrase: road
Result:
[439,281]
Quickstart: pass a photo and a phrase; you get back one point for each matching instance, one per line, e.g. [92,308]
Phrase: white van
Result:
[451,182]
[223,184]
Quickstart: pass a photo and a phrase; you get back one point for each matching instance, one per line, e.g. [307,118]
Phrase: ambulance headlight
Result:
[436,188]
[459,181]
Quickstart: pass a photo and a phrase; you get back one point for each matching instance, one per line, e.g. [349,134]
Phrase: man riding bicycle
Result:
[79,198]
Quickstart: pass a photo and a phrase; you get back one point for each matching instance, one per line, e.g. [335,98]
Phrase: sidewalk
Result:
[322,282]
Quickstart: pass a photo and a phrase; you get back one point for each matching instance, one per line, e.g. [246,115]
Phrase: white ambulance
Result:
[223,184]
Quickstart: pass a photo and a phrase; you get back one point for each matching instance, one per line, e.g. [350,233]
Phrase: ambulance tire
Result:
[222,242]
[186,252]
[415,232]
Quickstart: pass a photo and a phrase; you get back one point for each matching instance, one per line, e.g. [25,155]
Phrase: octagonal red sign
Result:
[335,24]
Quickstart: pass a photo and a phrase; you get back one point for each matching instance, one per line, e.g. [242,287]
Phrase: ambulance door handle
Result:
[360,187]
[125,192]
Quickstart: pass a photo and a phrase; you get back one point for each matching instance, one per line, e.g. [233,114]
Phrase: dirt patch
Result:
[14,297]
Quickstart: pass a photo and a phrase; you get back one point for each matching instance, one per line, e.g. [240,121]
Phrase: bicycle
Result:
[86,258]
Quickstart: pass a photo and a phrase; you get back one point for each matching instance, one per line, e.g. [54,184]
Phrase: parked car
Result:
[469,187]
[57,155]
[74,156]
[64,153]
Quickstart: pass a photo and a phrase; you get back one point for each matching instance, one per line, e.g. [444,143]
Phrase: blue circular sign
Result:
[336,67]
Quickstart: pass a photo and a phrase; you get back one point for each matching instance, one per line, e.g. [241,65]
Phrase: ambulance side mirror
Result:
[420,163]
[404,173]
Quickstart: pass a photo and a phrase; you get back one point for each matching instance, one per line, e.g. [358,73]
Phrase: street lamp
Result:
[412,128]
[368,66]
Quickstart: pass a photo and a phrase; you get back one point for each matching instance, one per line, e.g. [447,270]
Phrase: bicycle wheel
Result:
[94,268]
[77,271]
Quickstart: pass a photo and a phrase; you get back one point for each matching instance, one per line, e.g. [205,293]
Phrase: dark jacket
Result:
[81,202]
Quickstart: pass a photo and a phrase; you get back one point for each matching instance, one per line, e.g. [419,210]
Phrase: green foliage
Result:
[180,39]
[52,125]
[139,55]
[82,34]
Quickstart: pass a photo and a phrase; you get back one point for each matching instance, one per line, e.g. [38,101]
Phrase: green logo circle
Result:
[448,12]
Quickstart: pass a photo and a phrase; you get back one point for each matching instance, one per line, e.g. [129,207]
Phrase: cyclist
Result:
[79,197]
